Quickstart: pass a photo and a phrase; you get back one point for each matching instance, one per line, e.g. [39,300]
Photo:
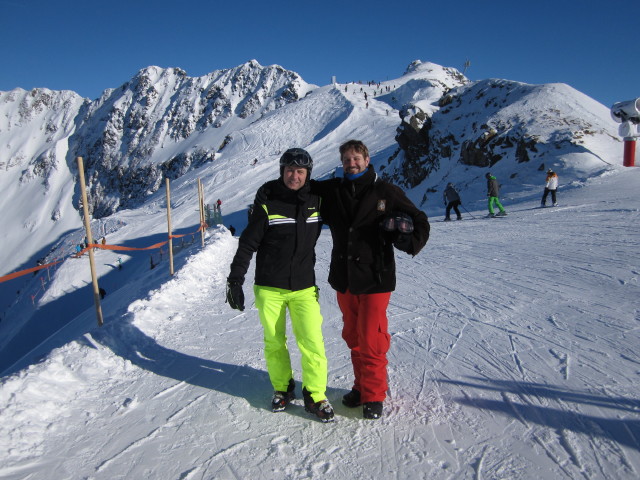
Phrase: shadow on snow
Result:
[624,431]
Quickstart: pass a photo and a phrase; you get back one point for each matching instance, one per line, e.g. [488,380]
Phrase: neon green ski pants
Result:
[496,201]
[306,323]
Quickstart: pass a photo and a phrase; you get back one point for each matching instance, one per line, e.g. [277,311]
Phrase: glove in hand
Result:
[403,242]
[235,296]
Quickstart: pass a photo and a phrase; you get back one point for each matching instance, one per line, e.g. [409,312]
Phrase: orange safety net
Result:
[20,273]
[13,275]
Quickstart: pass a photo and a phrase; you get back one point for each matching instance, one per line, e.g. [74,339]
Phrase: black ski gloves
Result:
[403,242]
[235,295]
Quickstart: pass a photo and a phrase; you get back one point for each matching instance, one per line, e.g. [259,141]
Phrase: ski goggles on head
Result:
[296,157]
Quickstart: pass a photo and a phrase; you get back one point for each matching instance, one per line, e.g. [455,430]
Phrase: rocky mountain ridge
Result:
[478,124]
[121,133]
[163,123]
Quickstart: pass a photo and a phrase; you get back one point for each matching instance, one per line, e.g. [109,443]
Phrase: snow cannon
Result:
[627,114]
[626,111]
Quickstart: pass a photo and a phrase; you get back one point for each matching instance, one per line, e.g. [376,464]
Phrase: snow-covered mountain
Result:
[518,128]
[35,179]
[163,123]
[228,129]
[160,123]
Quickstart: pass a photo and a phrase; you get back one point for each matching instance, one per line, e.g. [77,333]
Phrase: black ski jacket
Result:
[450,195]
[362,258]
[283,229]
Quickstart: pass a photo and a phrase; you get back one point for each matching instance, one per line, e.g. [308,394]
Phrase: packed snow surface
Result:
[514,354]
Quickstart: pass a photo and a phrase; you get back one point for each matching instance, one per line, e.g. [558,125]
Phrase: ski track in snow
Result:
[501,366]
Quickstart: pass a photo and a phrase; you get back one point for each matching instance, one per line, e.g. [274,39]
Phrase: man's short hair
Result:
[356,145]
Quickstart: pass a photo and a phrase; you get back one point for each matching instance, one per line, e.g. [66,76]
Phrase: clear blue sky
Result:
[90,45]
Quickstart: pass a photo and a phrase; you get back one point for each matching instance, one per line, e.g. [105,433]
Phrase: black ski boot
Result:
[282,399]
[372,410]
[352,399]
[322,409]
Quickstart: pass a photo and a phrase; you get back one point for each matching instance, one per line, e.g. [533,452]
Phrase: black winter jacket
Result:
[362,259]
[450,195]
[283,228]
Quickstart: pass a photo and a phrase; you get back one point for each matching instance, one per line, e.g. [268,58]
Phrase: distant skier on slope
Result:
[551,185]
[283,230]
[493,192]
[451,200]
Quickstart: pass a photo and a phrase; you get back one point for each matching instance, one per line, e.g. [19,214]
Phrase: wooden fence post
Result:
[169,227]
[87,227]
[201,205]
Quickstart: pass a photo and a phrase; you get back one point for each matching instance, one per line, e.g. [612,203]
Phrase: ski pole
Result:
[467,211]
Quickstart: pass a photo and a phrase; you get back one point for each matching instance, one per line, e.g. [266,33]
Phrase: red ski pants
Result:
[365,331]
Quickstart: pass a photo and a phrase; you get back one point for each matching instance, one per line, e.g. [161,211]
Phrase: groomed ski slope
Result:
[514,355]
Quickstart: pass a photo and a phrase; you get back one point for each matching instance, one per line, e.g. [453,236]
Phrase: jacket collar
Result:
[369,176]
[284,193]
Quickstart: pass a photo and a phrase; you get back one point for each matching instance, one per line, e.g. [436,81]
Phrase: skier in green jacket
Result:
[493,192]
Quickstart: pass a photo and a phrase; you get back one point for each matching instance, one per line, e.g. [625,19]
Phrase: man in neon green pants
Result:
[282,230]
[306,322]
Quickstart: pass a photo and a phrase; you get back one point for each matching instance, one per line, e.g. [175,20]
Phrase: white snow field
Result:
[514,355]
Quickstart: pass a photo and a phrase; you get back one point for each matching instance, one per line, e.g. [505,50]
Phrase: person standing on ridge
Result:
[551,185]
[283,230]
[493,193]
[367,217]
[451,200]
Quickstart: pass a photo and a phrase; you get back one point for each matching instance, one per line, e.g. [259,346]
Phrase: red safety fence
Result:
[20,273]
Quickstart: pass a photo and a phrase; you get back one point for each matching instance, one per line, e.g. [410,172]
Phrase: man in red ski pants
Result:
[366,333]
[368,217]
